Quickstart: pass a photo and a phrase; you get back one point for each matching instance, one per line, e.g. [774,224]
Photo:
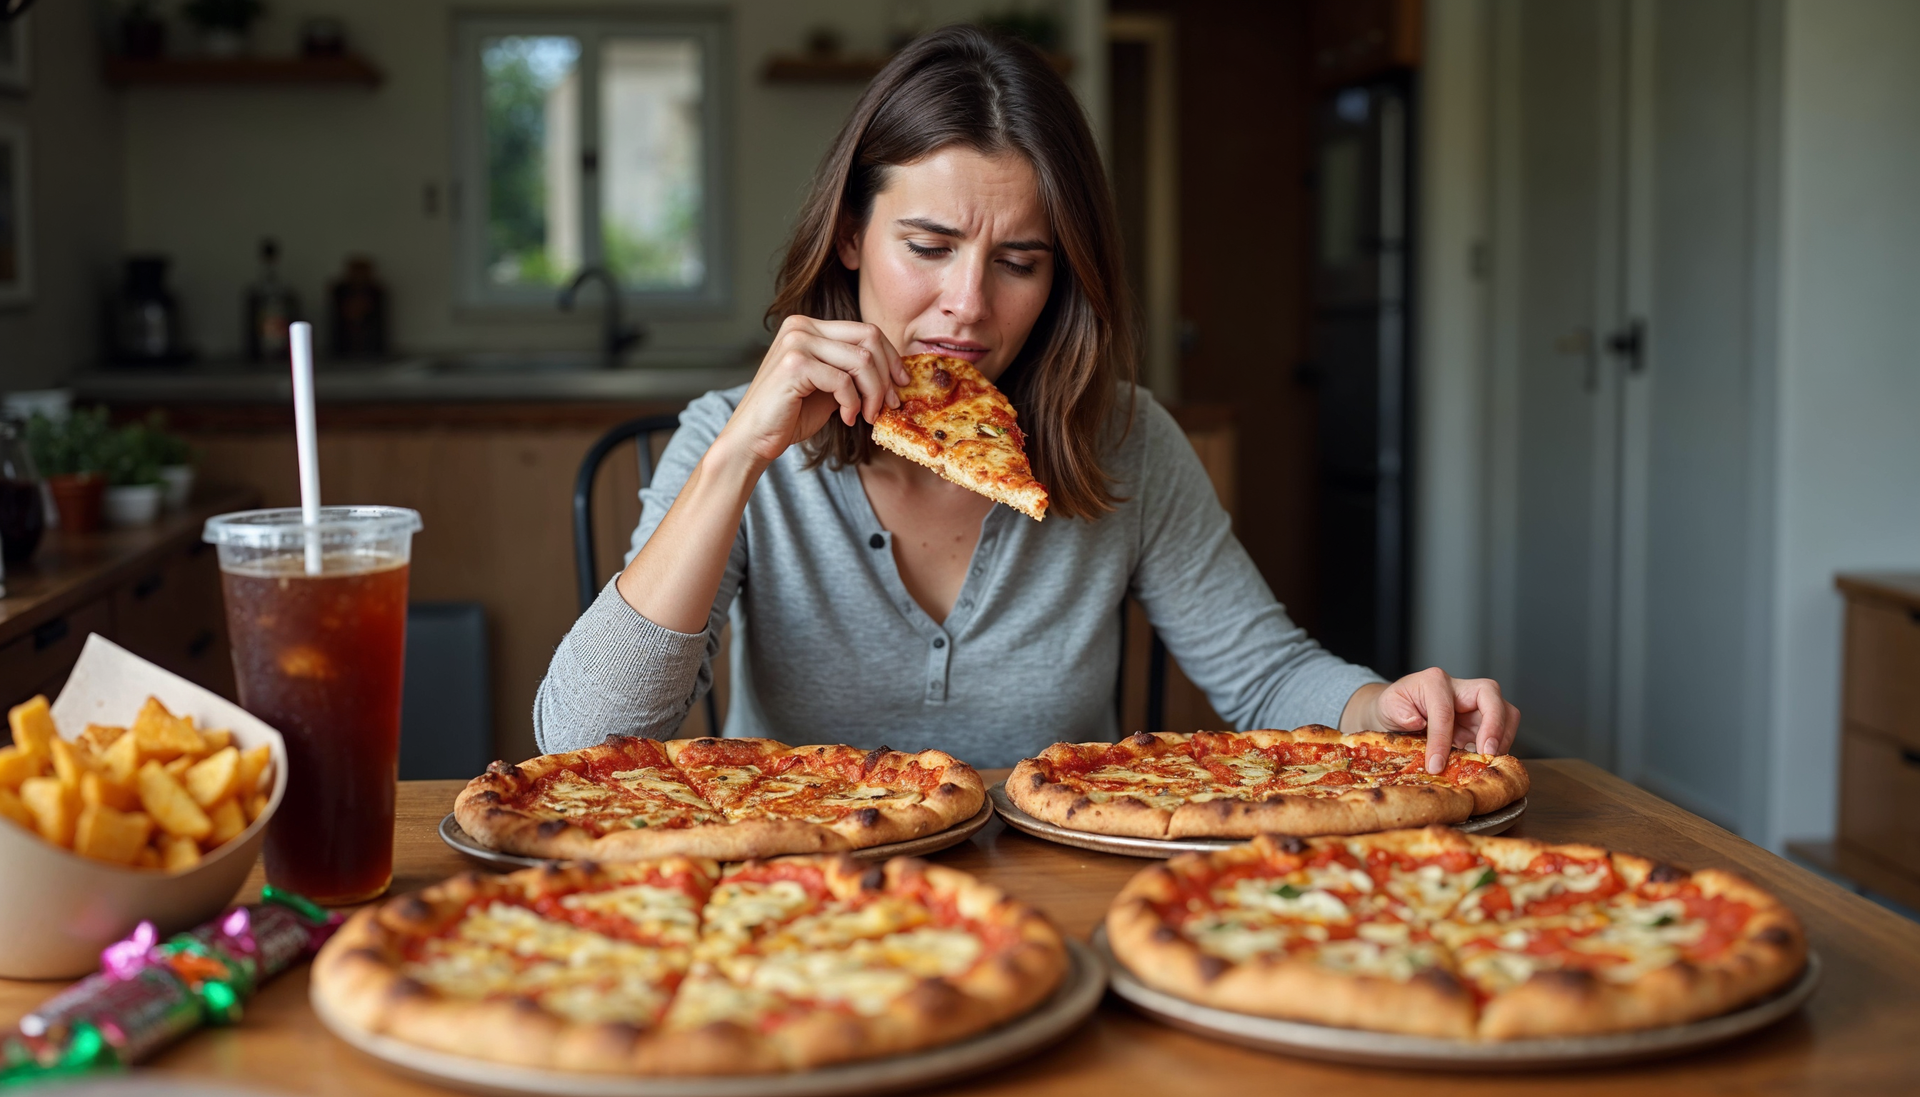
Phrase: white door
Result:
[1631,542]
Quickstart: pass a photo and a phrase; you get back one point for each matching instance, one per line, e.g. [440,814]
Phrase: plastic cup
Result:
[320,657]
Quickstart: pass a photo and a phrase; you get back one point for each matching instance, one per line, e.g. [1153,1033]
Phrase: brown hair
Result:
[963,86]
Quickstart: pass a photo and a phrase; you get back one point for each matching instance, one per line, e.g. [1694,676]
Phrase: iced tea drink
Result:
[319,656]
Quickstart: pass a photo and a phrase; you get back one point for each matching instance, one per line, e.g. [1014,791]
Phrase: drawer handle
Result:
[200,644]
[145,587]
[50,634]
[1910,756]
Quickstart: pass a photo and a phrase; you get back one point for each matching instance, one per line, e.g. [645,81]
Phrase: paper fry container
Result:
[58,909]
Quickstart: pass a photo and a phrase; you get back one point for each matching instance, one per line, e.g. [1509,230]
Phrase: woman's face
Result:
[957,257]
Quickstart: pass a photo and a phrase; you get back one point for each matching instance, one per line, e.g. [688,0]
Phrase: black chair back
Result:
[586,570]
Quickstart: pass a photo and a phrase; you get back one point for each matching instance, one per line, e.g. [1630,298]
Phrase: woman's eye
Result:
[1017,268]
[926,252]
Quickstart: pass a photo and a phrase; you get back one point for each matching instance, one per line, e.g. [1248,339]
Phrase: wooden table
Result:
[1859,1036]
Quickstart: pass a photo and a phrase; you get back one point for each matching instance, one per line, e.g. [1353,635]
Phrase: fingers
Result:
[1433,691]
[858,350]
[876,342]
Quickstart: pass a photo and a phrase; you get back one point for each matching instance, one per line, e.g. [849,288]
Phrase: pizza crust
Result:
[491,810]
[358,979]
[1769,951]
[1033,787]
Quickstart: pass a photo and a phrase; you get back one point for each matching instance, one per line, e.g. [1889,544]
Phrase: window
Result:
[591,142]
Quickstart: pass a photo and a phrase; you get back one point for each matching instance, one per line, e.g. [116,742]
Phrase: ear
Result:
[849,247]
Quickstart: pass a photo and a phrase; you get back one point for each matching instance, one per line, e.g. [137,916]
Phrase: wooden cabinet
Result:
[1879,840]
[154,591]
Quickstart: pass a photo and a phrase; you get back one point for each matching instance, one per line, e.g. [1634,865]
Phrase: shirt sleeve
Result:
[1211,606]
[616,672]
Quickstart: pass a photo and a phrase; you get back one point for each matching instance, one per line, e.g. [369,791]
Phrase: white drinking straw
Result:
[300,342]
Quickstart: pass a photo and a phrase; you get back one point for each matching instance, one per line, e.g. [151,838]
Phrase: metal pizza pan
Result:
[1493,822]
[1389,1049]
[456,836]
[1078,996]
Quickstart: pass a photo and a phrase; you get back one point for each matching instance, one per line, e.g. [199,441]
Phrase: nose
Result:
[963,296]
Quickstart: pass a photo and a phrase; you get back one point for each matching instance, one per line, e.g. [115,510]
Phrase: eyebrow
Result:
[925,224]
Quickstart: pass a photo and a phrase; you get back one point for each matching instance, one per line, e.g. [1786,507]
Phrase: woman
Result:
[961,211]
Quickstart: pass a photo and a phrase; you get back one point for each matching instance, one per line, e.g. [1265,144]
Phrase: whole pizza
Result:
[1226,784]
[1438,933]
[630,799]
[676,967]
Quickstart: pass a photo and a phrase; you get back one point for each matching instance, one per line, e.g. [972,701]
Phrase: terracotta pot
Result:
[78,496]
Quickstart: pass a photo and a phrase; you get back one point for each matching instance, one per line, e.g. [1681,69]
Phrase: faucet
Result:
[618,336]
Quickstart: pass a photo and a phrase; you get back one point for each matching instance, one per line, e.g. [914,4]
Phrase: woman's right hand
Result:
[814,369]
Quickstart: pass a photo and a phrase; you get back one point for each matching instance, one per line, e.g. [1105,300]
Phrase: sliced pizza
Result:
[1211,784]
[672,967]
[730,799]
[952,420]
[1432,932]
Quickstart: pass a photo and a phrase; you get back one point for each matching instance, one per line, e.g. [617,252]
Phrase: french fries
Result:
[158,794]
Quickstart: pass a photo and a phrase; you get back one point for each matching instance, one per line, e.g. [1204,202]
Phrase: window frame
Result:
[712,28]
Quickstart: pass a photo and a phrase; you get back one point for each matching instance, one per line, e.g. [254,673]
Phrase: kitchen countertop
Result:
[665,376]
[1854,1037]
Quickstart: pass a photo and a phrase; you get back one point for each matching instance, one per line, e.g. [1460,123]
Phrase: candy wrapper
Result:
[148,993]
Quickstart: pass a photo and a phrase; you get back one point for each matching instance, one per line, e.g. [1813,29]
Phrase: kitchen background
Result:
[1563,343]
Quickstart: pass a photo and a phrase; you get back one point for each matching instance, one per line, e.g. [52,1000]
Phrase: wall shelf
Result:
[789,68]
[247,71]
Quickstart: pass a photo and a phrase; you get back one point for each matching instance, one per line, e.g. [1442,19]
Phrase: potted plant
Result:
[171,455]
[223,24]
[72,454]
[134,487]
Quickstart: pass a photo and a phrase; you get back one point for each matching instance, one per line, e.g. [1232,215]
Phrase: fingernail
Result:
[1436,763]
[893,399]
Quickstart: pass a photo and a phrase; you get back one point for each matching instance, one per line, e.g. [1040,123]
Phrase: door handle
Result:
[1630,342]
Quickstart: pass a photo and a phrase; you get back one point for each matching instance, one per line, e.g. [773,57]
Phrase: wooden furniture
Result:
[154,590]
[1855,1036]
[493,483]
[1879,839]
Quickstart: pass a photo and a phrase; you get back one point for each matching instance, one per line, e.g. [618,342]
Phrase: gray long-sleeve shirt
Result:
[830,648]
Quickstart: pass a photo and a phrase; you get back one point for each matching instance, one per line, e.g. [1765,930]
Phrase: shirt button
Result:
[939,641]
[978,570]
[876,541]
[966,603]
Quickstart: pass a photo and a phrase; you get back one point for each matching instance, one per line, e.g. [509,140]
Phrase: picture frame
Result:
[16,221]
[16,54]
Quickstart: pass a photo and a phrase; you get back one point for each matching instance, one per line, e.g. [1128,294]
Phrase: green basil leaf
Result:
[1486,878]
[1288,891]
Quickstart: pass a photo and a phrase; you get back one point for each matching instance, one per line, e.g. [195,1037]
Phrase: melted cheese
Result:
[1432,891]
[1573,878]
[504,950]
[737,910]
[838,926]
[667,914]
[1309,905]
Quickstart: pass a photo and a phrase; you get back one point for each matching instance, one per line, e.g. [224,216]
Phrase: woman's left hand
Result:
[1454,712]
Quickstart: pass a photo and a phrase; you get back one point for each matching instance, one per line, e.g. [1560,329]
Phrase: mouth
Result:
[964,349]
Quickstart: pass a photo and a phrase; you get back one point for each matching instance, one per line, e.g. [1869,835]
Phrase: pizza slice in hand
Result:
[952,420]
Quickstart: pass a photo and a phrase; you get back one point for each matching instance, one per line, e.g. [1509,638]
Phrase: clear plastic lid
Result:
[338,528]
[346,539]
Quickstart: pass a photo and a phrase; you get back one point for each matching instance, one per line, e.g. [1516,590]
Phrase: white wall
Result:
[333,171]
[74,129]
[1848,489]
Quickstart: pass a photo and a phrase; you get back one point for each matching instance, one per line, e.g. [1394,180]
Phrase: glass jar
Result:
[23,516]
